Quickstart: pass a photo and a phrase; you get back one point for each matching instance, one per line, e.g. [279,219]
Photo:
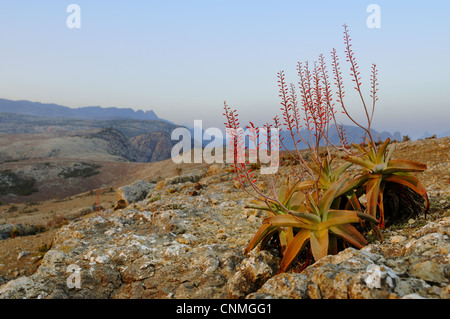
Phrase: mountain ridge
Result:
[25,107]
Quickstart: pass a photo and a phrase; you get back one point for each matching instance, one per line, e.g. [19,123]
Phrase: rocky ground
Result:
[184,236]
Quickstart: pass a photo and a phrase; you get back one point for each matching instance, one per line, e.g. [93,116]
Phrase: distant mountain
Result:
[353,134]
[59,111]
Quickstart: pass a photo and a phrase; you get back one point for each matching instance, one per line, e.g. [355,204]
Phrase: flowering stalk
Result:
[313,112]
[354,72]
[237,152]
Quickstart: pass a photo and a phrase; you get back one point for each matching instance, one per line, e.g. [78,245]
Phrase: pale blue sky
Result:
[184,58]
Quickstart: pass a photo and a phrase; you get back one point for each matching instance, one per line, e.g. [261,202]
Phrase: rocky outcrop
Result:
[117,143]
[417,266]
[10,230]
[152,147]
[252,273]
[164,246]
[174,245]
[134,193]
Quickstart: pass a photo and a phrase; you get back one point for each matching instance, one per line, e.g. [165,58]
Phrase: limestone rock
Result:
[418,267]
[288,286]
[133,193]
[10,230]
[186,178]
[252,274]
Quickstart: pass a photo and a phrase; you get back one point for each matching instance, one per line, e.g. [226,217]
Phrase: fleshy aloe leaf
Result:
[288,220]
[306,217]
[350,234]
[263,231]
[339,171]
[329,197]
[371,154]
[258,207]
[267,238]
[360,161]
[282,193]
[314,168]
[390,152]
[286,235]
[262,205]
[289,193]
[312,205]
[354,202]
[382,152]
[381,203]
[373,191]
[411,182]
[354,184]
[319,243]
[338,217]
[379,168]
[325,175]
[326,165]
[297,198]
[359,148]
[367,217]
[294,249]
[402,165]
[305,184]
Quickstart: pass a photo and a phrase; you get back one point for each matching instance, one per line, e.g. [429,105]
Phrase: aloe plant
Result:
[322,208]
[289,198]
[319,223]
[325,177]
[379,168]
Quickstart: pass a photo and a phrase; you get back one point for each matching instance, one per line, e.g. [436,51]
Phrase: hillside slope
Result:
[43,158]
[186,238]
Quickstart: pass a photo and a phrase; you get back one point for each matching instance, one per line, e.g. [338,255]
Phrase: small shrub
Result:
[81,169]
[57,221]
[12,208]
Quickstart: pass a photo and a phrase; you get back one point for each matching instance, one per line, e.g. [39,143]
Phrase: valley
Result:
[44,158]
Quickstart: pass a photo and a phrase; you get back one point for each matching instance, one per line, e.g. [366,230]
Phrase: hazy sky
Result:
[182,59]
